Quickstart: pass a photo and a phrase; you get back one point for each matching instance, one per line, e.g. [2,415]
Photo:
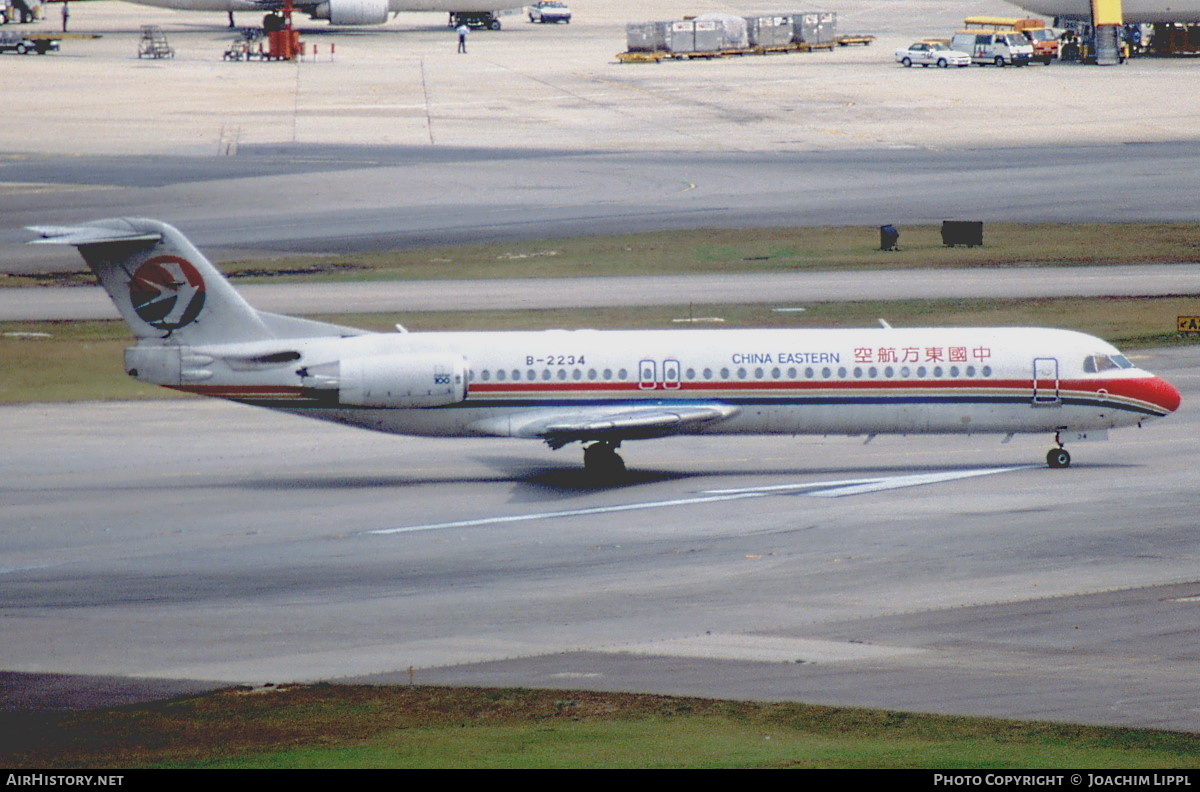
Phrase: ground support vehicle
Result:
[851,39]
[20,11]
[931,53]
[550,11]
[26,45]
[998,47]
[1043,39]
[1174,38]
[475,19]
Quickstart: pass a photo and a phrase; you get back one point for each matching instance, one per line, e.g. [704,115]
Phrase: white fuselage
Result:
[853,382]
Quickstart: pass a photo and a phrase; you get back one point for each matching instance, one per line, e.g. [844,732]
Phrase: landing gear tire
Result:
[602,461]
[1058,458]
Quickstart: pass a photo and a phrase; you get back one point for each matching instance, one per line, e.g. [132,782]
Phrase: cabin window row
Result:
[690,375]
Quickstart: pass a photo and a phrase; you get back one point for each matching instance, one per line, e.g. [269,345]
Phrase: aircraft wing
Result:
[559,426]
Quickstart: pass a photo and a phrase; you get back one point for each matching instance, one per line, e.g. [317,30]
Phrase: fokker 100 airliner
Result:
[195,333]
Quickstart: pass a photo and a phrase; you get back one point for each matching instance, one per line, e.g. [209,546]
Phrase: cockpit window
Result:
[1096,364]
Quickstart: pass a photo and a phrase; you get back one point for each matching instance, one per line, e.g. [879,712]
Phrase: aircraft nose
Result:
[1164,394]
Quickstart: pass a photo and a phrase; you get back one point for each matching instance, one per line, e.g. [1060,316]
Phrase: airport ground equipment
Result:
[962,232]
[1174,38]
[247,46]
[999,47]
[1042,38]
[475,19]
[550,12]
[725,35]
[20,11]
[27,45]
[1108,22]
[153,43]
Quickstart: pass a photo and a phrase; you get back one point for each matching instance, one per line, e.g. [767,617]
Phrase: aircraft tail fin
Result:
[165,288]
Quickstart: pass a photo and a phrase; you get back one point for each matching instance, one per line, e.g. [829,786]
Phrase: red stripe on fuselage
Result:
[1150,390]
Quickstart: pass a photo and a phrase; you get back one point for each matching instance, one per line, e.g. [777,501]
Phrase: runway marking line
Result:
[815,489]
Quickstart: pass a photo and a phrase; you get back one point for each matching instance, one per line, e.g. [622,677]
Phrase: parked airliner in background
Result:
[338,12]
[601,388]
[1133,11]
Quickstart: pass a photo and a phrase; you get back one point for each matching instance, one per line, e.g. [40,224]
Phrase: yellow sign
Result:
[1188,324]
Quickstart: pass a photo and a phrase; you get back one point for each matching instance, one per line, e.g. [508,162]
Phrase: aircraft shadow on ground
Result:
[535,481]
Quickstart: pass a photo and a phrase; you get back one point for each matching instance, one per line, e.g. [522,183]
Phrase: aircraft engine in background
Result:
[352,12]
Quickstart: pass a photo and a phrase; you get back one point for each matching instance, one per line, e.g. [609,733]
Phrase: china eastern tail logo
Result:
[167,292]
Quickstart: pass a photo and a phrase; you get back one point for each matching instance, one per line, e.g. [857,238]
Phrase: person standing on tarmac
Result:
[462,30]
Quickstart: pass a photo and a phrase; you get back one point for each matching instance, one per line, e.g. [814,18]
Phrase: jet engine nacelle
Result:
[402,380]
[352,12]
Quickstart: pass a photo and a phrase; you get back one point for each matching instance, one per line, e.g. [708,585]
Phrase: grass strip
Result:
[711,250]
[342,726]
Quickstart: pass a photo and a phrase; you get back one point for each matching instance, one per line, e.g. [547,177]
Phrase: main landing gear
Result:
[602,461]
[1058,457]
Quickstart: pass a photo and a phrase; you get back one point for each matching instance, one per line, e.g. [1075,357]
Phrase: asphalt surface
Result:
[365,199]
[161,547]
[197,542]
[48,304]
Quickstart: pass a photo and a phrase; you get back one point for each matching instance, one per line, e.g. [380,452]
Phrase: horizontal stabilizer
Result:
[88,235]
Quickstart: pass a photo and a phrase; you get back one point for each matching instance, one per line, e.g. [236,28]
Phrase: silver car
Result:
[932,53]
[550,11]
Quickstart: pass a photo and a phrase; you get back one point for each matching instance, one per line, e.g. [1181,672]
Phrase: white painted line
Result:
[911,481]
[565,513]
[824,489]
[776,489]
[763,649]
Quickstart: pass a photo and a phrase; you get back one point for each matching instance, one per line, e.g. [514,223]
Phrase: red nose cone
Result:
[1164,394]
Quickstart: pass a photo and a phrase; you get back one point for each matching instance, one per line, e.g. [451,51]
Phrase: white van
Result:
[1000,47]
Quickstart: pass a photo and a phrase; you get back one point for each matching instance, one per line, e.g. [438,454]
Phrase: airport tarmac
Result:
[539,132]
[198,542]
[193,544]
[554,87]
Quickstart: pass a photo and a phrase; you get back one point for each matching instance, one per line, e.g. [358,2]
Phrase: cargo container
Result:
[647,36]
[769,32]
[814,27]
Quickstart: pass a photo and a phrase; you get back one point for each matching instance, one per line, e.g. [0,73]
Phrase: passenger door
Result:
[1045,383]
